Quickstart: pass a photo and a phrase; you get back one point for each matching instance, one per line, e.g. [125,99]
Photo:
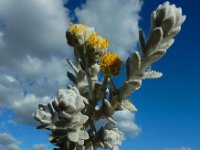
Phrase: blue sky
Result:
[168,108]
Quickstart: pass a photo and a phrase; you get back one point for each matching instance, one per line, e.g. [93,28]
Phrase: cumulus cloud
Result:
[24,95]
[1,39]
[8,142]
[12,96]
[10,90]
[40,147]
[25,107]
[178,148]
[116,20]
[33,27]
[33,51]
[126,122]
[44,77]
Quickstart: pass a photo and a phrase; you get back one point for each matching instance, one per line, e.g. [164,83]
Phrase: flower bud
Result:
[75,34]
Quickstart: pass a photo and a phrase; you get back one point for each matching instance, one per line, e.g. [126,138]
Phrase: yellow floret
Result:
[95,40]
[110,63]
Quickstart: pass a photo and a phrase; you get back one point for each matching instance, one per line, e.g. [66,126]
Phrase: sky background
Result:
[33,54]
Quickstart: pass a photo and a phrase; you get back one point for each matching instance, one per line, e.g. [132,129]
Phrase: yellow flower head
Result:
[78,28]
[110,63]
[96,41]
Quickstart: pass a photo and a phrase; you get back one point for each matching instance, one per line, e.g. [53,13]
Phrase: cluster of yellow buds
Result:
[95,46]
[80,34]
[110,63]
[95,40]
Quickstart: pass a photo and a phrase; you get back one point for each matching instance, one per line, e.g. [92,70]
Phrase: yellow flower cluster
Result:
[96,41]
[85,38]
[78,28]
[110,63]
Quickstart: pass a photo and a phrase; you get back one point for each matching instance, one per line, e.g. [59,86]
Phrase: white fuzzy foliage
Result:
[69,100]
[43,114]
[112,138]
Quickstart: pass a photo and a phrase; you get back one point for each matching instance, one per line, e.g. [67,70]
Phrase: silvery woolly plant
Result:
[72,115]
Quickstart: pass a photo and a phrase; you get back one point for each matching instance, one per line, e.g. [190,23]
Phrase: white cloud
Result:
[12,97]
[1,39]
[10,90]
[25,107]
[178,148]
[116,20]
[40,147]
[126,122]
[8,142]
[44,77]
[33,27]
[33,53]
